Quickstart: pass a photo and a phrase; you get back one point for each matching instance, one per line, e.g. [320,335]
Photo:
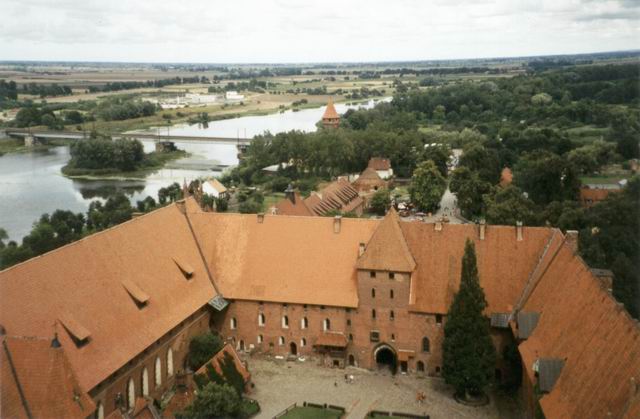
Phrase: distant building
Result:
[592,193]
[369,181]
[382,166]
[215,188]
[233,96]
[337,196]
[506,177]
[330,119]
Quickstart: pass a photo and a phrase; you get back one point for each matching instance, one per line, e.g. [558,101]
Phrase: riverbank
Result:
[17,146]
[151,163]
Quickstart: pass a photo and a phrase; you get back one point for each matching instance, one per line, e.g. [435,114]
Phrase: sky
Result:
[296,31]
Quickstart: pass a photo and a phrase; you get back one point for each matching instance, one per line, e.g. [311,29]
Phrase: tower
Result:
[330,119]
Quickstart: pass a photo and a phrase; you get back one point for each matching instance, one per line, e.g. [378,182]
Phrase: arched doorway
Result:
[352,361]
[386,358]
[293,348]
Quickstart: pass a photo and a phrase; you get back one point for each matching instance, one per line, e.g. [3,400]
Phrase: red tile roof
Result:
[506,177]
[38,381]
[80,284]
[217,359]
[332,339]
[379,163]
[330,111]
[337,196]
[583,325]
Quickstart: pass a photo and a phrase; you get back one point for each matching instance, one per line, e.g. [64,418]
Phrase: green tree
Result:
[468,353]
[213,401]
[202,348]
[507,205]
[427,186]
[380,201]
[439,154]
[470,191]
[546,177]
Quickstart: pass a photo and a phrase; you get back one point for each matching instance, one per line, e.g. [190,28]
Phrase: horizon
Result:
[283,31]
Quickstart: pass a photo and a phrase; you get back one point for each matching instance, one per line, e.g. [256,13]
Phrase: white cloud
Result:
[299,30]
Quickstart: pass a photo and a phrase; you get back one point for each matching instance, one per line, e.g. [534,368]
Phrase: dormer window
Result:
[184,267]
[78,333]
[137,294]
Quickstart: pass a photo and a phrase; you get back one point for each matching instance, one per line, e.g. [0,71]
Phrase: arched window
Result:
[260,338]
[131,394]
[145,382]
[158,372]
[391,294]
[285,322]
[261,319]
[420,366]
[169,362]
[425,344]
[373,313]
[326,325]
[281,340]
[303,342]
[373,293]
[100,411]
[392,315]
[234,323]
[304,323]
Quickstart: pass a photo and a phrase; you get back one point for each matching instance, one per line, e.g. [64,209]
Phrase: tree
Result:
[483,160]
[202,348]
[439,154]
[3,236]
[546,177]
[380,201]
[507,205]
[213,401]
[469,190]
[468,353]
[427,186]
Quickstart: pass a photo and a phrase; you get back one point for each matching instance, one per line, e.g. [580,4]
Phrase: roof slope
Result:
[283,259]
[215,184]
[299,207]
[379,163]
[82,281]
[504,263]
[387,250]
[216,362]
[595,336]
[330,112]
[43,375]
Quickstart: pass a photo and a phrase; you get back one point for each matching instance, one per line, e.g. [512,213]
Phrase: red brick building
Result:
[365,292]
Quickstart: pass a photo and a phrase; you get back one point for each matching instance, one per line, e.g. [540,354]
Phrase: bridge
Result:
[32,137]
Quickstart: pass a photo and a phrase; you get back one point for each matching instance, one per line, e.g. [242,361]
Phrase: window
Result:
[285,322]
[392,315]
[393,337]
[303,342]
[234,323]
[374,336]
[131,394]
[391,294]
[326,325]
[438,319]
[372,274]
[260,338]
[100,411]
[373,313]
[304,323]
[350,337]
[348,322]
[392,275]
[169,362]
[145,382]
[420,366]
[261,319]
[425,344]
[281,340]
[437,370]
[158,372]
[373,293]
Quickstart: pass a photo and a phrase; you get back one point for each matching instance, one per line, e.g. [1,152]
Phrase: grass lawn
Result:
[309,412]
[603,179]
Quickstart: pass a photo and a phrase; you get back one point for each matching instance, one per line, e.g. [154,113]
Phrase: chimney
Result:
[260,217]
[483,228]
[290,194]
[571,238]
[337,222]
[361,249]
[438,225]
[519,230]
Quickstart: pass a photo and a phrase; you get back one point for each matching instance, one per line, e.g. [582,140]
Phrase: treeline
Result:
[127,85]
[118,109]
[64,227]
[8,90]
[44,90]
[105,154]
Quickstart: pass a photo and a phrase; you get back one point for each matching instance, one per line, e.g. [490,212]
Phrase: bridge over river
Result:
[32,137]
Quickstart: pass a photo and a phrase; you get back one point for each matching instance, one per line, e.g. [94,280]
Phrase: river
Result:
[31,184]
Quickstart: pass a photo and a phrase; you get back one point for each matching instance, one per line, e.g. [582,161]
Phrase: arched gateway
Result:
[386,357]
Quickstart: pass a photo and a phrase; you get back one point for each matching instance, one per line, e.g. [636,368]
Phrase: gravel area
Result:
[279,384]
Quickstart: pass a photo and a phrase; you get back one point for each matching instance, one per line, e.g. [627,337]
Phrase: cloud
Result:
[298,30]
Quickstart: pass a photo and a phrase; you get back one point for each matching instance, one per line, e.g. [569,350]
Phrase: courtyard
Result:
[279,384]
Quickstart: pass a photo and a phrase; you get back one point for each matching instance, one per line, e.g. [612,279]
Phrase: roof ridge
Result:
[113,227]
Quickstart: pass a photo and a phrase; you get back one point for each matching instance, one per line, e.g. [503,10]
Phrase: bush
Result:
[202,348]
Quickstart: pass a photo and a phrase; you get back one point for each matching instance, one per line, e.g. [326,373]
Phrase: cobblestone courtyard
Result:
[279,384]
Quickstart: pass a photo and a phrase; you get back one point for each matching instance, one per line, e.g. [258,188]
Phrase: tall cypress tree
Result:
[469,354]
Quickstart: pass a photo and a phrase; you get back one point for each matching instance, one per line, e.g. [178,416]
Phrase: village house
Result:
[369,181]
[214,188]
[382,166]
[124,303]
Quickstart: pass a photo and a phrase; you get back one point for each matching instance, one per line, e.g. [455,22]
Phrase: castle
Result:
[108,319]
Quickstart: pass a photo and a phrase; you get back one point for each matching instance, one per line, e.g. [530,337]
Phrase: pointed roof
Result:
[369,174]
[330,112]
[387,250]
